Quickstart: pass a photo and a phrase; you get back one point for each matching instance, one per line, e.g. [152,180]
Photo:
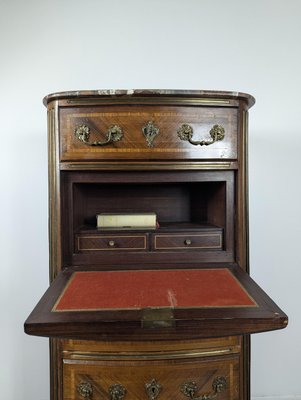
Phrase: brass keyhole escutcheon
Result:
[153,389]
[150,131]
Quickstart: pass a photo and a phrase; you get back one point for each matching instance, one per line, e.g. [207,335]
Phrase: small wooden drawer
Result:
[189,241]
[152,132]
[110,242]
[209,347]
[150,379]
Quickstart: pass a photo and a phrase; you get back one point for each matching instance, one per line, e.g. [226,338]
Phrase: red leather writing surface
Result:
[99,290]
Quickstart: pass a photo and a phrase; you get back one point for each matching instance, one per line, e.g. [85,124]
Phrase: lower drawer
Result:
[110,242]
[150,379]
[188,240]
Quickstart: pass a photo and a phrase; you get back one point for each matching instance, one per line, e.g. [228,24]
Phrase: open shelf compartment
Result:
[191,210]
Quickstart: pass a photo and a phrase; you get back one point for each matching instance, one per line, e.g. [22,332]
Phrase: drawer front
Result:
[188,241]
[107,242]
[203,347]
[136,379]
[147,133]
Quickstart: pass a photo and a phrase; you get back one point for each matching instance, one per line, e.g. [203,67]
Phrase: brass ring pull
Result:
[189,389]
[185,132]
[114,134]
[85,390]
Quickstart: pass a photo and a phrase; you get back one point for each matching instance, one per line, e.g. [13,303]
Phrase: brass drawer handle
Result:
[85,390]
[187,242]
[189,389]
[185,132]
[114,134]
[111,243]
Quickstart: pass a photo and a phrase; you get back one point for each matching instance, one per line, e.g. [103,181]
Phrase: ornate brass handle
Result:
[189,389]
[217,132]
[85,390]
[114,134]
[116,392]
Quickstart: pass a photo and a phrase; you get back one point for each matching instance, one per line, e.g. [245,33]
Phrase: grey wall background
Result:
[251,46]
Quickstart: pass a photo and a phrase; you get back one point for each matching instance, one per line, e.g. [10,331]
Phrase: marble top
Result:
[211,94]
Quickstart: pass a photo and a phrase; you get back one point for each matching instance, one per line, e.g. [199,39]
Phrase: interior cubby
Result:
[175,205]
[188,203]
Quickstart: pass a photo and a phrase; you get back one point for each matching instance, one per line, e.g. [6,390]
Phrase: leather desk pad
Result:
[130,290]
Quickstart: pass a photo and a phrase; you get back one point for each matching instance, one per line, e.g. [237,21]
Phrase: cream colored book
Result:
[127,221]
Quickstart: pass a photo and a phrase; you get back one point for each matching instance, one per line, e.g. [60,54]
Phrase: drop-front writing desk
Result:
[150,313]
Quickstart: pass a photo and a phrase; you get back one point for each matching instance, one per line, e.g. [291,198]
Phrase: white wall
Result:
[251,46]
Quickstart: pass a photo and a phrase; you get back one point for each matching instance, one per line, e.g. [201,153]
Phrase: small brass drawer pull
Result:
[85,390]
[189,389]
[187,242]
[185,132]
[114,134]
[117,392]
[111,243]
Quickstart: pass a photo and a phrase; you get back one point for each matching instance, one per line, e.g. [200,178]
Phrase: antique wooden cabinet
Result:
[161,312]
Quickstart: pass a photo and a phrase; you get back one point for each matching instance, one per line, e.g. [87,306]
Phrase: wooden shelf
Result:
[163,227]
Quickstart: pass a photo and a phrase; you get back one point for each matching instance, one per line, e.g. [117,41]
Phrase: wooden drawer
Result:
[149,378]
[188,241]
[80,127]
[202,347]
[110,242]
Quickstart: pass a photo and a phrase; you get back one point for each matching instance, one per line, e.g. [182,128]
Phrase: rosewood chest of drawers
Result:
[147,313]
